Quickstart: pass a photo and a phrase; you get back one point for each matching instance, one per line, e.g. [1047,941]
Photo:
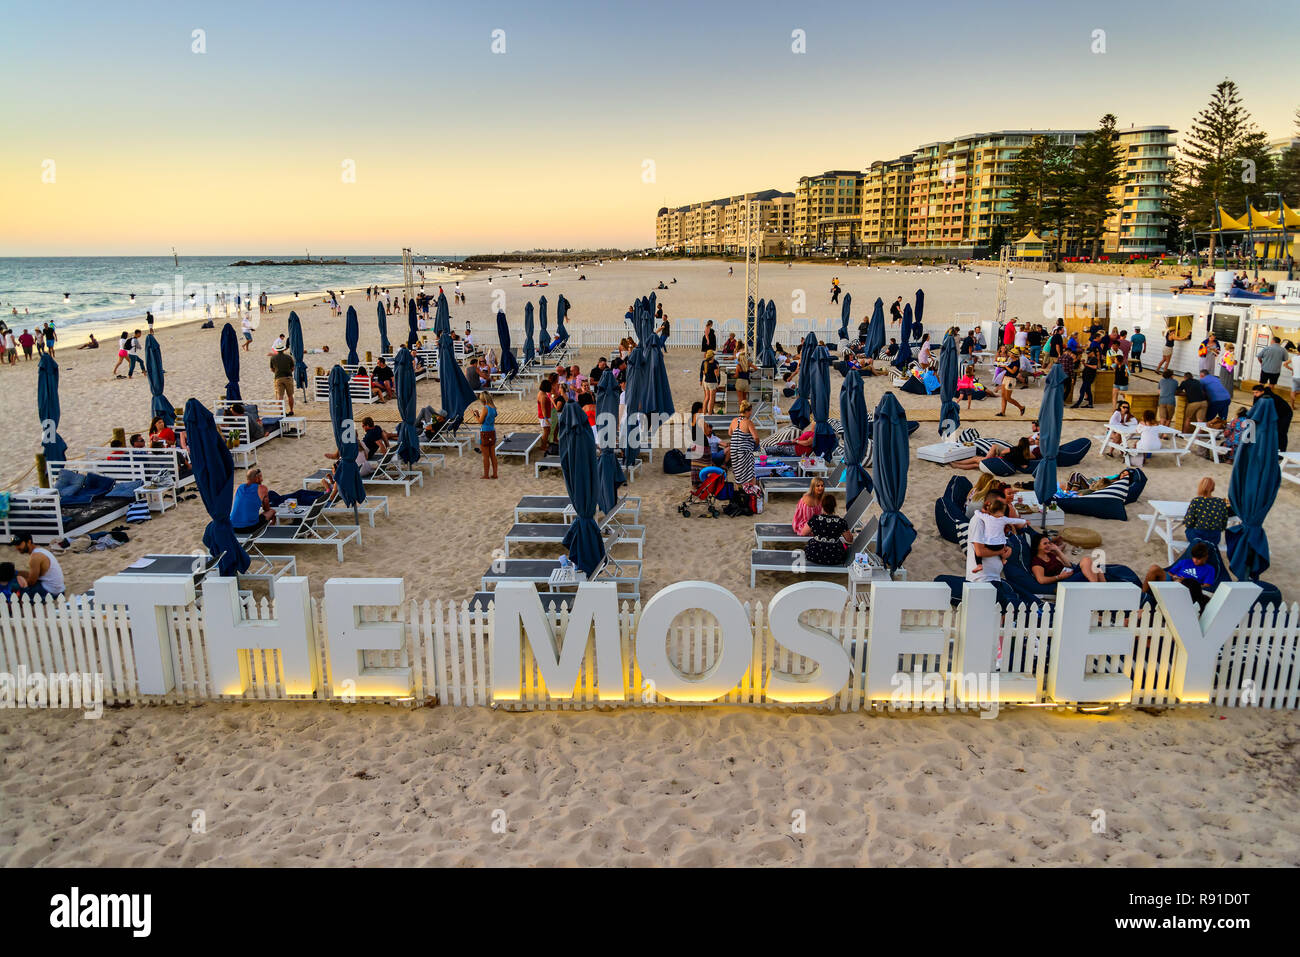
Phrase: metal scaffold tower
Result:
[752,250]
[1004,272]
[408,273]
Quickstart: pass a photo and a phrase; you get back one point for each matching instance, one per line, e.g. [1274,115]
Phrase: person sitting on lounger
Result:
[1050,565]
[1019,455]
[250,508]
[161,432]
[810,504]
[1195,572]
[381,382]
[995,521]
[831,536]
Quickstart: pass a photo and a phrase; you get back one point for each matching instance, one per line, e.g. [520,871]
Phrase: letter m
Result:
[519,617]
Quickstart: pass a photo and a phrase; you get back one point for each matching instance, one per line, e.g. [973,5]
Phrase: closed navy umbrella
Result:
[457,395]
[583,540]
[770,330]
[352,335]
[509,365]
[348,473]
[1252,491]
[609,471]
[857,435]
[663,394]
[49,410]
[1050,413]
[801,407]
[153,368]
[214,477]
[543,337]
[530,351]
[875,340]
[561,310]
[844,316]
[891,460]
[412,327]
[385,347]
[298,351]
[766,355]
[949,409]
[918,326]
[441,316]
[905,339]
[230,361]
[408,432]
[819,393]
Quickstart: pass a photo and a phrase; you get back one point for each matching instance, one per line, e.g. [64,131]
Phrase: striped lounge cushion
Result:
[968,435]
[138,512]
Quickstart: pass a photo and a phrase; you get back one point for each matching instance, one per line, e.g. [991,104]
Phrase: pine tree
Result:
[1288,172]
[1215,167]
[1040,187]
[1098,171]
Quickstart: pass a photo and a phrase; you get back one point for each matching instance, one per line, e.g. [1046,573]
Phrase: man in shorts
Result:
[282,369]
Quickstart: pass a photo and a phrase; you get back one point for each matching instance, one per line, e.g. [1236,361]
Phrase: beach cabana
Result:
[891,453]
[352,335]
[385,347]
[348,473]
[530,351]
[1029,246]
[1251,491]
[509,365]
[298,351]
[153,368]
[949,408]
[48,409]
[1050,414]
[408,431]
[214,477]
[543,337]
[230,361]
[857,436]
[583,540]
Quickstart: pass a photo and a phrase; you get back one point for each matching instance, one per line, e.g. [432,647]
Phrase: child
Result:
[8,581]
[995,521]
[1148,435]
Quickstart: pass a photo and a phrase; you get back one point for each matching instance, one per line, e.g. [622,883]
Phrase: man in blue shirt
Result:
[1216,395]
[1139,346]
[1192,570]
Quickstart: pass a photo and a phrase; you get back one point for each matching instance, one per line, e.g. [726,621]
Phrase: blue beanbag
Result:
[998,466]
[1071,454]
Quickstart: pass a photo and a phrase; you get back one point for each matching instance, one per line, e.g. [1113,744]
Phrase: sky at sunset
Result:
[458,149]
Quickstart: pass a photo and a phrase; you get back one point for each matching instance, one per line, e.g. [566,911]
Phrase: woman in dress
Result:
[831,536]
[810,504]
[742,444]
[1148,435]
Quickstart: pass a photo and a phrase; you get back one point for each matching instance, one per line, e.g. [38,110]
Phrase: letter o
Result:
[737,641]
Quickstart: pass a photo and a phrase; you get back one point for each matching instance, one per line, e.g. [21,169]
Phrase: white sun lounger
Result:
[786,560]
[312,529]
[520,444]
[797,486]
[561,505]
[767,533]
[626,574]
[553,533]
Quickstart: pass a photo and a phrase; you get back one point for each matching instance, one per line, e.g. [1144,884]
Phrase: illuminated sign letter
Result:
[651,641]
[1075,640]
[887,639]
[832,665]
[147,598]
[976,655]
[1201,637]
[290,632]
[350,638]
[518,616]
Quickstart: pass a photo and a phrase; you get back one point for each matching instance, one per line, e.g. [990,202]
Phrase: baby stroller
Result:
[706,493]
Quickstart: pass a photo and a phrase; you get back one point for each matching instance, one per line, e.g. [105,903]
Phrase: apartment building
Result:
[885,191]
[718,226]
[1139,226]
[828,212]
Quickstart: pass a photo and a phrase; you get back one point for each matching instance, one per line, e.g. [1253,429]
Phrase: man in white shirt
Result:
[983,561]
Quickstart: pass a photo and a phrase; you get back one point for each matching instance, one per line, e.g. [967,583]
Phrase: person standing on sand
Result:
[896,311]
[282,369]
[487,419]
[50,338]
[133,350]
[248,331]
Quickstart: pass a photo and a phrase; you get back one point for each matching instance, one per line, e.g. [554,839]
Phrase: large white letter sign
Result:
[831,662]
[290,633]
[652,651]
[1074,640]
[146,598]
[1200,638]
[887,639]
[518,616]
[975,661]
[350,638]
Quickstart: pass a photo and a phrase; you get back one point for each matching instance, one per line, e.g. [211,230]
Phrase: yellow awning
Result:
[1254,219]
[1028,238]
[1227,222]
[1290,218]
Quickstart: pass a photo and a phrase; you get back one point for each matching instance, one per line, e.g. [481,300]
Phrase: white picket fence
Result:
[447,649]
[688,332]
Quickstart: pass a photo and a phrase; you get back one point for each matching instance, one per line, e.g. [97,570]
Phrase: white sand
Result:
[1182,788]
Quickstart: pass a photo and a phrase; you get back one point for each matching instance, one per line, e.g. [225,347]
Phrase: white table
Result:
[1055,517]
[1290,463]
[1179,444]
[1204,437]
[1161,522]
[864,575]
[293,425]
[156,496]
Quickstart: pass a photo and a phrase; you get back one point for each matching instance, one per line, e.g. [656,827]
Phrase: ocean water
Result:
[99,288]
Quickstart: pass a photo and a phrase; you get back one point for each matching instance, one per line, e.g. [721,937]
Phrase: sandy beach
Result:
[284,784]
